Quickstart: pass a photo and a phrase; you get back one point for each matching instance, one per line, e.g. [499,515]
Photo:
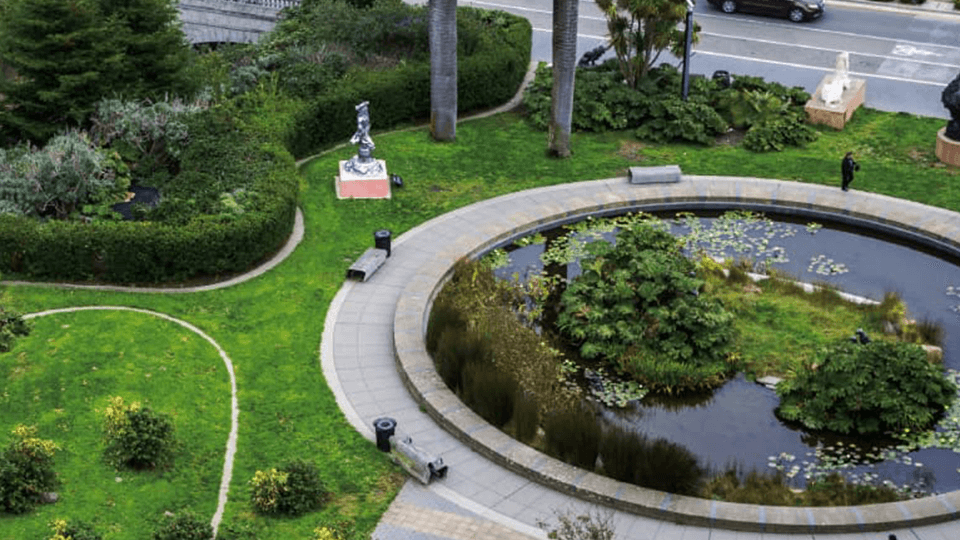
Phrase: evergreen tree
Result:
[60,51]
[68,54]
[156,52]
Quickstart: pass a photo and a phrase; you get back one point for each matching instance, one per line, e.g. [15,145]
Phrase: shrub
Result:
[637,305]
[778,133]
[573,435]
[488,77]
[12,325]
[672,119]
[292,490]
[184,526]
[136,436]
[872,388]
[26,470]
[73,530]
[68,172]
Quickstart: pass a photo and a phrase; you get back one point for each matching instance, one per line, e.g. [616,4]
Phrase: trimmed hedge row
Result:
[146,252]
[488,77]
[214,245]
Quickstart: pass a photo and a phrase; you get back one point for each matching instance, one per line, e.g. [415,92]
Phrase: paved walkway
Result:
[480,498]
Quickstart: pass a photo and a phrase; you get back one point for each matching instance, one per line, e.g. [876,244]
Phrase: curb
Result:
[534,210]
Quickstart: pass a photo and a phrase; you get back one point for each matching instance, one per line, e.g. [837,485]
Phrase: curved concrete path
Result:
[373,358]
[231,445]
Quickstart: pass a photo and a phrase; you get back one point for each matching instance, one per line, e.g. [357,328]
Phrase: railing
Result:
[279,4]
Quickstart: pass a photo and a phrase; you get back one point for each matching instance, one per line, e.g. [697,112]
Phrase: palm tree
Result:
[564,71]
[443,69]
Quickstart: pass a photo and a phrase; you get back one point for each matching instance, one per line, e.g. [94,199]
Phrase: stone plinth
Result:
[835,115]
[948,150]
[351,185]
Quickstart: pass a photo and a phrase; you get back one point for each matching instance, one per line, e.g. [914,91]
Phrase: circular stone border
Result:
[471,231]
[231,447]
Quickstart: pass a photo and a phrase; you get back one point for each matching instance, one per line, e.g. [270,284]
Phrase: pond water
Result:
[736,423]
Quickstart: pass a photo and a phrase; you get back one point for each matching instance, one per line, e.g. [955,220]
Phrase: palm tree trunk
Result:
[564,71]
[443,69]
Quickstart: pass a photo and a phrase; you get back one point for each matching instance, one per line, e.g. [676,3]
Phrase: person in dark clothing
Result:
[847,166]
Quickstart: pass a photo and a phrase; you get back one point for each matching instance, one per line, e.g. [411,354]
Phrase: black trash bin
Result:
[723,78]
[385,428]
[381,240]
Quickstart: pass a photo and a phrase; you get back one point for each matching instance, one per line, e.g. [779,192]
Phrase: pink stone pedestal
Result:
[835,115]
[354,186]
[948,150]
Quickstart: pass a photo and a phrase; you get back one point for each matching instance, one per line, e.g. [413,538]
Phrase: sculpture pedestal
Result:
[835,115]
[948,150]
[351,185]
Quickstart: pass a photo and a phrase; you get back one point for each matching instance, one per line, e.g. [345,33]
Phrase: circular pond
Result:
[736,423]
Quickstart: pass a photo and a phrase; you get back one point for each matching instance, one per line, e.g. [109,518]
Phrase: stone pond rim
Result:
[497,222]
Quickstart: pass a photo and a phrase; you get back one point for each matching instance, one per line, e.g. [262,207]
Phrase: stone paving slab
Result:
[507,487]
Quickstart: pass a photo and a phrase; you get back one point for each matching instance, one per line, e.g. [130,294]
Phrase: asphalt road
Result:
[906,57]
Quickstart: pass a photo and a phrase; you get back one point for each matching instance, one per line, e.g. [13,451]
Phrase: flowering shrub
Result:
[73,530]
[291,490]
[26,470]
[137,437]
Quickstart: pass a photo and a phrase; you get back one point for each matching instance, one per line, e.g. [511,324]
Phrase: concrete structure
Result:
[374,359]
[229,21]
[947,150]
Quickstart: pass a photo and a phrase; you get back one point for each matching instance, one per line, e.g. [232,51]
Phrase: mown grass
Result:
[780,327]
[271,326]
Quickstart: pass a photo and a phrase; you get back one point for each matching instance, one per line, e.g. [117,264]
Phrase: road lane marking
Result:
[824,69]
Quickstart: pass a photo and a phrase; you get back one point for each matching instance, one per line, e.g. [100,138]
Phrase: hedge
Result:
[215,245]
[147,252]
[488,77]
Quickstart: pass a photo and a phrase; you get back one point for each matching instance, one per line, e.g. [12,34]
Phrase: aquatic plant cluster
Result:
[856,467]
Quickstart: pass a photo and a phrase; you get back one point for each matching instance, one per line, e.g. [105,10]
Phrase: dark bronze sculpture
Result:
[951,100]
[590,57]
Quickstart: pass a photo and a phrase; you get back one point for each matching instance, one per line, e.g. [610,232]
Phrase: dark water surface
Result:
[736,423]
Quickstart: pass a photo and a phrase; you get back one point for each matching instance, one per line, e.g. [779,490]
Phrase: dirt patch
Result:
[732,137]
[632,150]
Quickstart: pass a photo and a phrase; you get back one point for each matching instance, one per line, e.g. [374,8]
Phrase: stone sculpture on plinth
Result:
[837,96]
[362,176]
[948,138]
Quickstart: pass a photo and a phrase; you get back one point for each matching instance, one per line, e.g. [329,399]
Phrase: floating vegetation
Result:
[825,266]
[615,393]
[946,434]
[954,291]
[496,258]
[532,240]
[855,466]
[813,227]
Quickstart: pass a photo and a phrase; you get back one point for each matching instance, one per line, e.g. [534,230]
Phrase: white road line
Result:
[836,32]
[789,64]
[823,69]
[900,58]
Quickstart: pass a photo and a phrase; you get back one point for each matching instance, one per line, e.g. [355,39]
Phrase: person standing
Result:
[847,167]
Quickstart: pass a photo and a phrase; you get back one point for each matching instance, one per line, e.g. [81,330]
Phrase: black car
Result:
[795,10]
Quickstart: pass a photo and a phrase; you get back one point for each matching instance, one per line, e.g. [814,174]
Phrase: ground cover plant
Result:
[270,327]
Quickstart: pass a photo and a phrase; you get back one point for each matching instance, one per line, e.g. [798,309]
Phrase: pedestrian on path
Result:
[847,167]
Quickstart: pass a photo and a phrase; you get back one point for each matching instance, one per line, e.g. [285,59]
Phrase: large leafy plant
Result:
[873,388]
[638,305]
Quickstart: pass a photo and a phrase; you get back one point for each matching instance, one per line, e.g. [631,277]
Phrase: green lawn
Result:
[271,326]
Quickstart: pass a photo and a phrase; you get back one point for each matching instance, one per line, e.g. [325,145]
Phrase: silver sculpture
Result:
[363,163]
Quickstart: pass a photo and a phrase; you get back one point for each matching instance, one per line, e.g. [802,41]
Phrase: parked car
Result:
[795,10]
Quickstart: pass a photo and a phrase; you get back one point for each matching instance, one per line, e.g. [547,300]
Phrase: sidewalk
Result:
[480,498]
